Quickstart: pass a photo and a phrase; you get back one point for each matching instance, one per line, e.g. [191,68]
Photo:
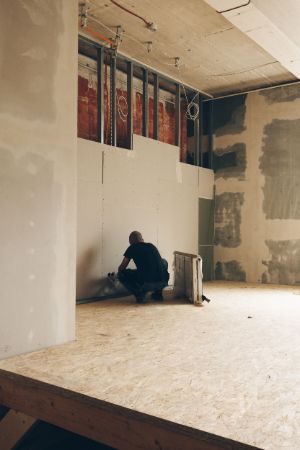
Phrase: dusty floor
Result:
[231,368]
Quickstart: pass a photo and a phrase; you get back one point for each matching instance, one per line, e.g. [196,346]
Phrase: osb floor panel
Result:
[231,368]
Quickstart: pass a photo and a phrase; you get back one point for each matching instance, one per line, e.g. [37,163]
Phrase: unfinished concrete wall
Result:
[145,189]
[257,173]
[38,67]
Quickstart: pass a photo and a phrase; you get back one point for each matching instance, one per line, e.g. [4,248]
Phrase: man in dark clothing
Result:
[151,272]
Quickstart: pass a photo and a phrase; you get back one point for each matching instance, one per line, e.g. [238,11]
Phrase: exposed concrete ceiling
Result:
[215,56]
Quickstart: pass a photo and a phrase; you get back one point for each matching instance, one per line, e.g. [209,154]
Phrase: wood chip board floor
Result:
[231,368]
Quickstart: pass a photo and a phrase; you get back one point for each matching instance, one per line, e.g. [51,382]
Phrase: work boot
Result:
[141,297]
[157,295]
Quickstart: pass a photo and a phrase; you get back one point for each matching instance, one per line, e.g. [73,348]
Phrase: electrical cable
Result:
[148,24]
[123,113]
[193,110]
[235,7]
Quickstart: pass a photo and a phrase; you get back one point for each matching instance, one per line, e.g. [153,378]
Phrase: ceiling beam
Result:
[248,18]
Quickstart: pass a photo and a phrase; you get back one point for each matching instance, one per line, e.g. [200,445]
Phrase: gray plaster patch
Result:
[230,271]
[29,49]
[229,115]
[228,218]
[283,267]
[281,94]
[230,162]
[280,165]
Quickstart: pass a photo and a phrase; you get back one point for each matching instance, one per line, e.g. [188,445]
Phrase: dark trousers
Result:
[129,279]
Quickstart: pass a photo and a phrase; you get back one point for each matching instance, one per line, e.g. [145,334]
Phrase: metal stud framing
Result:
[177,115]
[155,106]
[145,103]
[130,104]
[113,109]
[210,134]
[100,94]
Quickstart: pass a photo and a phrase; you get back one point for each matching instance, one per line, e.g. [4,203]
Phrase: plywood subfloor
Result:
[231,368]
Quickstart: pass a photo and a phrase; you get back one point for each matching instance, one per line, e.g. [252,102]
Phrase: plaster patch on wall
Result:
[29,59]
[230,271]
[229,115]
[228,218]
[230,162]
[283,267]
[280,164]
[281,94]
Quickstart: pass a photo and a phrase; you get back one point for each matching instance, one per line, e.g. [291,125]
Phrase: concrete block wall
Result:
[257,176]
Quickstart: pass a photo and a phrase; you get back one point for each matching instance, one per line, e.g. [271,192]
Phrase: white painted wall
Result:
[38,66]
[145,189]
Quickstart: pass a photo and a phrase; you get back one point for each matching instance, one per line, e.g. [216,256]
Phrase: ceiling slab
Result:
[215,56]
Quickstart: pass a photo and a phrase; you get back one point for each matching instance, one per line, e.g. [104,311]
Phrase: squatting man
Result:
[151,273]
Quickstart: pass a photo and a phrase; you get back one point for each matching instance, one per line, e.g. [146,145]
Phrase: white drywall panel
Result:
[89,219]
[130,193]
[206,183]
[38,109]
[187,174]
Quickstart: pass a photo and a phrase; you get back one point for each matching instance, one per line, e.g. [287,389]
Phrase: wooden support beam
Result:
[104,422]
[13,428]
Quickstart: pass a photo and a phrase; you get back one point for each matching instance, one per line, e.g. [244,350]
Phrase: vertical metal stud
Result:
[130,105]
[197,136]
[100,94]
[177,115]
[210,134]
[200,119]
[145,103]
[155,107]
[113,109]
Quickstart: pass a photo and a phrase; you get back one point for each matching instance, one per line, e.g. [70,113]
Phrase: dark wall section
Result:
[229,115]
[230,271]
[230,162]
[228,219]
[280,165]
[284,265]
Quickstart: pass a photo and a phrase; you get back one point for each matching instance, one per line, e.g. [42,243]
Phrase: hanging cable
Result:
[122,109]
[148,24]
[192,110]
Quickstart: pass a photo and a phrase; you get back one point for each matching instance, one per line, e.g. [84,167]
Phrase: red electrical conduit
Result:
[98,35]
